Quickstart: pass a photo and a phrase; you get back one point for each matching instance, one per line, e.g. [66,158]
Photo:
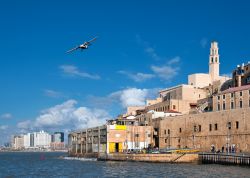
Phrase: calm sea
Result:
[51,165]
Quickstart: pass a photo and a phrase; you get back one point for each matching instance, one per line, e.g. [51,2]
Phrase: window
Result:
[195,129]
[216,59]
[248,80]
[229,125]
[224,105]
[218,107]
[241,93]
[179,140]
[174,107]
[224,96]
[237,124]
[232,95]
[249,103]
[232,104]
[216,126]
[199,128]
[241,104]
[166,140]
[168,131]
[210,127]
[180,130]
[165,132]
[212,59]
[218,97]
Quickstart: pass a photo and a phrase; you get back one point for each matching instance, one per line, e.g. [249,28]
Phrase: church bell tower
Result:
[214,62]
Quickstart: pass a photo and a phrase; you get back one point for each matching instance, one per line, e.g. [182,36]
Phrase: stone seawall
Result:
[161,158]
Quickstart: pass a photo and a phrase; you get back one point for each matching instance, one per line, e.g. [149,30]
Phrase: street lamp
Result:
[228,135]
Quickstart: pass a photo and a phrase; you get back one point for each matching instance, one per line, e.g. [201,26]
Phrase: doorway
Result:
[116,147]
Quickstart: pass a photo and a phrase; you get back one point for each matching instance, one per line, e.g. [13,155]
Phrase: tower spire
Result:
[214,61]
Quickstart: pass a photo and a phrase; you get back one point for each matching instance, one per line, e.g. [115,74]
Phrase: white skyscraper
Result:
[26,140]
[37,140]
[42,139]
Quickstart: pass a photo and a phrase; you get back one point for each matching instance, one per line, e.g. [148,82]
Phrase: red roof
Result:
[234,89]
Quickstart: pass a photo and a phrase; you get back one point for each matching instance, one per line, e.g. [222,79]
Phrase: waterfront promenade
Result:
[155,158]
[224,158]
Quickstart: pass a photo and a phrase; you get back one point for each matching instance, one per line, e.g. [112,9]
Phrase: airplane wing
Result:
[72,49]
[90,41]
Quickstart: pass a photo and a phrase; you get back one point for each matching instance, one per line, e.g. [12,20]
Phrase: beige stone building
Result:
[201,131]
[232,98]
[179,98]
[132,110]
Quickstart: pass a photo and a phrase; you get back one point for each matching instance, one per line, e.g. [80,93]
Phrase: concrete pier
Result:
[161,158]
[226,159]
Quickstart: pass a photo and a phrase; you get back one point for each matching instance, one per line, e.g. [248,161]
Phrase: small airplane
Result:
[85,45]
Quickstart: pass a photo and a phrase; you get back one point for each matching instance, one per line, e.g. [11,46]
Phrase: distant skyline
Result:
[141,47]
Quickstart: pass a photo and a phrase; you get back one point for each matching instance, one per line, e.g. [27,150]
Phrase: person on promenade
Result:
[222,149]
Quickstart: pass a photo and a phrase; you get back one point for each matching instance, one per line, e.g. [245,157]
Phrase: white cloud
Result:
[151,52]
[3,127]
[137,77]
[174,60]
[73,71]
[132,96]
[148,48]
[168,71]
[6,116]
[53,94]
[25,125]
[121,99]
[66,116]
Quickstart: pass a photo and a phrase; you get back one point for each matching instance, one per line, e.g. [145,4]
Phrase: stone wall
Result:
[201,131]
[167,158]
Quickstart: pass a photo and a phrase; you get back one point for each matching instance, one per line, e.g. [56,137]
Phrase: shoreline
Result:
[34,151]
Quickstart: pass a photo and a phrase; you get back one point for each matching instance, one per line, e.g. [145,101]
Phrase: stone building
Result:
[179,98]
[232,98]
[201,131]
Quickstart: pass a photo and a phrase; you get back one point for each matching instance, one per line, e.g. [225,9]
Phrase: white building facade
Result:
[40,139]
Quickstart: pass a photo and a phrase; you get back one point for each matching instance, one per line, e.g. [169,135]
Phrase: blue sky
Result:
[139,44]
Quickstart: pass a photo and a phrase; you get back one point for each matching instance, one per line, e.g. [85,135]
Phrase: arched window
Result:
[212,59]
[216,59]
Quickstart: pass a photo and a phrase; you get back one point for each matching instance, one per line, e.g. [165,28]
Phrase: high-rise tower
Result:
[214,62]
